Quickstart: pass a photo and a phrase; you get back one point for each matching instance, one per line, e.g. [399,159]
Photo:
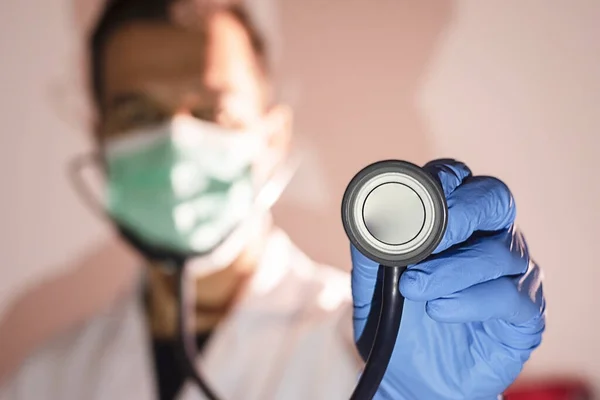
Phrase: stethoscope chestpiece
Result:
[394,213]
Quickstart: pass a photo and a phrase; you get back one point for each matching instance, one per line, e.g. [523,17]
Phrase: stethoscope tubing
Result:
[377,342]
[381,331]
[186,349]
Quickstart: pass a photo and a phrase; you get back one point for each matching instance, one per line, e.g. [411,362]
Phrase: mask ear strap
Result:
[74,173]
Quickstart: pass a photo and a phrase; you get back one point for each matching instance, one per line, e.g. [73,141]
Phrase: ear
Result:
[279,121]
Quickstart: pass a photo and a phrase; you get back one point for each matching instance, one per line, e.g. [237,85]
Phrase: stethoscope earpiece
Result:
[394,213]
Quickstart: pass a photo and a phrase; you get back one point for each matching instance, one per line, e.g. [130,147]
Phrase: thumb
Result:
[364,278]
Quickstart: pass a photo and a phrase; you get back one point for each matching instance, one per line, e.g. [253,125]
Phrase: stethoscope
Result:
[394,213]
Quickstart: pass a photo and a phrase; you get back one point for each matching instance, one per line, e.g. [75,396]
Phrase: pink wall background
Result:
[358,70]
[511,87]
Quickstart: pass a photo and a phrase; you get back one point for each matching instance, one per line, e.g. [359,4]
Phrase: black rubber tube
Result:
[186,349]
[381,331]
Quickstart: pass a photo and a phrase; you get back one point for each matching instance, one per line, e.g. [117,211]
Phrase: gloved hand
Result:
[474,311]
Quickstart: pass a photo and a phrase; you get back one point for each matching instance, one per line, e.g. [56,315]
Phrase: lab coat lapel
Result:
[248,348]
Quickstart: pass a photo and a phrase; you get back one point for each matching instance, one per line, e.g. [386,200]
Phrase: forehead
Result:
[150,56]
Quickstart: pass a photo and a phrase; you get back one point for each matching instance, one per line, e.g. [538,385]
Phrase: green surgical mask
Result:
[182,186]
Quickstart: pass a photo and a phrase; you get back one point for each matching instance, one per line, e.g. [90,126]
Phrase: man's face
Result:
[153,71]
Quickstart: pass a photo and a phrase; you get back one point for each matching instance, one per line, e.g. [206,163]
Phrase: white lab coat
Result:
[290,337]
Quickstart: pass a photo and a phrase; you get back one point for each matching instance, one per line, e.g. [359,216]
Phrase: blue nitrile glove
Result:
[474,311]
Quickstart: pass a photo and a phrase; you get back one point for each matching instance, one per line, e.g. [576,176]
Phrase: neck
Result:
[215,291]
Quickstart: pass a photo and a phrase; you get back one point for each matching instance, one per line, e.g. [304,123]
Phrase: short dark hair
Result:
[121,12]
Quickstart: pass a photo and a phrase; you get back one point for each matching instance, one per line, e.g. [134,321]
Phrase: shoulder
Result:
[104,353]
[329,287]
[319,326]
[319,295]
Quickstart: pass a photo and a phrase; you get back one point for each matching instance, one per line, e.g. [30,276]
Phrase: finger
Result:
[449,173]
[500,299]
[528,335]
[480,260]
[480,204]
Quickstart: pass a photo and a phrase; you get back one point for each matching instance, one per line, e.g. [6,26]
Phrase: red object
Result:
[550,389]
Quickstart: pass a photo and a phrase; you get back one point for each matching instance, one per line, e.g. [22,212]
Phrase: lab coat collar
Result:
[279,261]
[283,274]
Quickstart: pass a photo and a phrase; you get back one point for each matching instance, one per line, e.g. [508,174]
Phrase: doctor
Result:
[189,138]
